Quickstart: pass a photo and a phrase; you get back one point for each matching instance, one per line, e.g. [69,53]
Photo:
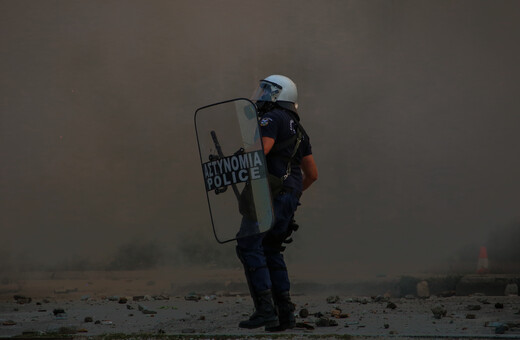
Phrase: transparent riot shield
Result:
[234,169]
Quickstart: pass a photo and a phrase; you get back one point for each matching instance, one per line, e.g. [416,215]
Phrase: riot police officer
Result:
[292,170]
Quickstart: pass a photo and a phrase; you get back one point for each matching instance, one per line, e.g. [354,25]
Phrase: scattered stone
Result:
[333,299]
[88,319]
[162,297]
[145,310]
[57,311]
[391,305]
[129,307]
[499,305]
[471,316]
[386,326]
[123,300]
[113,298]
[138,298]
[380,298]
[483,301]
[192,297]
[304,325]
[474,307]
[423,290]
[447,293]
[409,297]
[362,300]
[439,311]
[8,323]
[85,298]
[22,299]
[210,297]
[303,313]
[68,330]
[106,322]
[188,330]
[202,318]
[326,322]
[501,329]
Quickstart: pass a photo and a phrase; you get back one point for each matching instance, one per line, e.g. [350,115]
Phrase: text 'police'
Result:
[234,169]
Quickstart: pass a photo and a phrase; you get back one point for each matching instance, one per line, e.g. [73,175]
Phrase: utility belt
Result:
[277,187]
[289,190]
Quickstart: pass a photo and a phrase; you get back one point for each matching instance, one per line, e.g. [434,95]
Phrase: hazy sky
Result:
[412,108]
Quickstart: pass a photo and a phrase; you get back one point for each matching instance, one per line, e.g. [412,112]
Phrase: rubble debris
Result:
[362,300]
[439,311]
[188,330]
[326,322]
[471,316]
[474,307]
[304,312]
[386,326]
[161,297]
[59,314]
[333,299]
[123,300]
[21,299]
[138,298]
[67,330]
[499,305]
[192,297]
[447,293]
[338,314]
[501,329]
[145,310]
[391,305]
[483,301]
[88,319]
[8,323]
[380,298]
[304,325]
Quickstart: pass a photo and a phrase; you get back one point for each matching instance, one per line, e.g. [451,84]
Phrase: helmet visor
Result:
[266,92]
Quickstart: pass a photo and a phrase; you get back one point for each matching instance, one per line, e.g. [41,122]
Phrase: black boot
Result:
[264,315]
[285,312]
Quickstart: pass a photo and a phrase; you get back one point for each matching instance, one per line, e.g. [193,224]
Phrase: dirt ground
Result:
[210,304]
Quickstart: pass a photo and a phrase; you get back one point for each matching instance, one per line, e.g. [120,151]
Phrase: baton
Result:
[221,154]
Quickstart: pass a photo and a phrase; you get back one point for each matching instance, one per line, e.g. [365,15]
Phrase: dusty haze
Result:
[412,108]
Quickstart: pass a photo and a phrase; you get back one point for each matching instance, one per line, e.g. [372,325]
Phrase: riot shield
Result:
[234,169]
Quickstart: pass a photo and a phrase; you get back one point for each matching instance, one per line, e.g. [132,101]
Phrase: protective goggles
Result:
[266,91]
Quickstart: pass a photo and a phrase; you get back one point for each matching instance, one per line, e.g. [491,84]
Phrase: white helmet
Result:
[279,89]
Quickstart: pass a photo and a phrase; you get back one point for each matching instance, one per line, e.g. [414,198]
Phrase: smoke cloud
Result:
[412,108]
